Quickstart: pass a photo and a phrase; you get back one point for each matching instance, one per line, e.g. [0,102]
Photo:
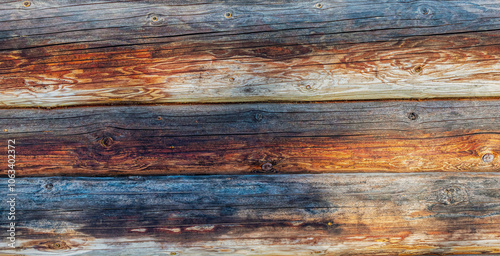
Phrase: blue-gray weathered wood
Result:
[348,214]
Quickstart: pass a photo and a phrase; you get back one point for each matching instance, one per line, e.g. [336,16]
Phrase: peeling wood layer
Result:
[326,214]
[371,136]
[61,53]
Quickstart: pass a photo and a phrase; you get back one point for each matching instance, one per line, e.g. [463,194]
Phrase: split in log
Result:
[368,136]
[325,214]
[60,53]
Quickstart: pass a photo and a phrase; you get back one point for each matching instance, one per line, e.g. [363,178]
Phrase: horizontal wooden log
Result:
[328,214]
[59,53]
[371,136]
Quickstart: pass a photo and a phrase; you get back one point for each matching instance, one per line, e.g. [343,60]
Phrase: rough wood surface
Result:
[325,214]
[371,136]
[55,53]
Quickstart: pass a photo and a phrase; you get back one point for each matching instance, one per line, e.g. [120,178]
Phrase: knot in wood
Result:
[413,116]
[267,167]
[452,195]
[107,142]
[258,117]
[418,69]
[488,158]
[425,10]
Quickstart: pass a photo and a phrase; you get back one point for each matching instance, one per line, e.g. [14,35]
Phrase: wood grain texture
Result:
[58,53]
[325,214]
[371,136]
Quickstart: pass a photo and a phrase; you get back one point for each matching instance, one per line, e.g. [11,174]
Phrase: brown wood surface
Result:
[325,214]
[370,136]
[358,185]
[56,53]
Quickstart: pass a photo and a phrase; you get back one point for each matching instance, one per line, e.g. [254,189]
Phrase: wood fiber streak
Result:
[371,136]
[328,214]
[61,53]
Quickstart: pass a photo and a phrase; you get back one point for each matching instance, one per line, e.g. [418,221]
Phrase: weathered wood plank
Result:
[328,214]
[371,136]
[56,53]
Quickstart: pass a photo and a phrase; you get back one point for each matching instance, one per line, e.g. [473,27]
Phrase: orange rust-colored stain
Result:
[54,245]
[437,233]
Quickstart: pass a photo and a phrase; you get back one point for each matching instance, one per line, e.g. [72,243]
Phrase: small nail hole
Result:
[228,15]
[318,5]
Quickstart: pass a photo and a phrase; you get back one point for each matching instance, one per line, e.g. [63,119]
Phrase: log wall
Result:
[238,127]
